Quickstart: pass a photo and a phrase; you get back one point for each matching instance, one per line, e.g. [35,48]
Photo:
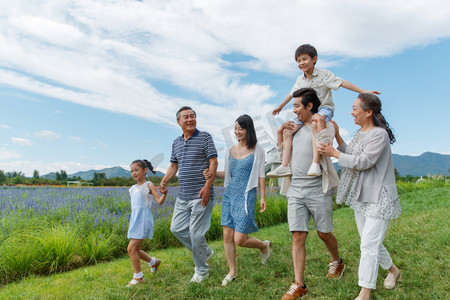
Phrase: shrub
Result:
[95,247]
[56,246]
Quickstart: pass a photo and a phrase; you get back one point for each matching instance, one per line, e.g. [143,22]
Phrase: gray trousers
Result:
[190,222]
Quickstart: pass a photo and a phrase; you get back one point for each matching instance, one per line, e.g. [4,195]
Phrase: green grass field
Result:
[418,243]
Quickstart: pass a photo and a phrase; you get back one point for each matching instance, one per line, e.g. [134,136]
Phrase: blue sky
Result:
[93,84]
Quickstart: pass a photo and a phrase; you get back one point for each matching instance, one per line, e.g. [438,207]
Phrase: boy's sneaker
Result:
[135,281]
[280,171]
[295,291]
[314,170]
[155,267]
[199,278]
[336,269]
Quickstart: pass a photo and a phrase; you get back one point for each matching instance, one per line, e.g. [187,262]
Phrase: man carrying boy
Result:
[306,197]
[322,81]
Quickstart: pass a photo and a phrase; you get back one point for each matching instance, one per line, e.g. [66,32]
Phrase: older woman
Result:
[368,186]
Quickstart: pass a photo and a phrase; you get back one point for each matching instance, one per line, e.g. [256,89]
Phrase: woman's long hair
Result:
[370,101]
[246,122]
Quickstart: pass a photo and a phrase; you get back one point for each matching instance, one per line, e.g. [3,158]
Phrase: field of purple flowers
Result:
[50,229]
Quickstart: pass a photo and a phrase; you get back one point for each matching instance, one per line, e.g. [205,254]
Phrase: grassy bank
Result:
[49,230]
[418,242]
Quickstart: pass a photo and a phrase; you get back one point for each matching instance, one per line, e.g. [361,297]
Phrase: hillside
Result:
[426,163]
[110,172]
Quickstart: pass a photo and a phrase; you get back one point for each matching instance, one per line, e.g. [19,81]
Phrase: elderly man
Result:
[192,153]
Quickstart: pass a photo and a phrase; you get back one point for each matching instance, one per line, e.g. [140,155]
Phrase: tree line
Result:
[61,178]
[100,179]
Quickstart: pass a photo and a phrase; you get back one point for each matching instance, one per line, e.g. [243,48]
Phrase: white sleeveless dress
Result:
[141,219]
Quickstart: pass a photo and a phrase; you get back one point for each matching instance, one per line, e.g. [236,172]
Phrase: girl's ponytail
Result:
[144,164]
[149,166]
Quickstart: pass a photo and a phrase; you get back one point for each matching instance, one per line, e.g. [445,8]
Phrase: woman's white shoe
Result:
[228,279]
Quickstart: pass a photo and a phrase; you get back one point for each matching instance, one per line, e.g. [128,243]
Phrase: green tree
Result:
[63,175]
[35,174]
[99,179]
[2,176]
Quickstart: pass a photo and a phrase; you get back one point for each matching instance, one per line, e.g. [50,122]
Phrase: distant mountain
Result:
[426,163]
[110,172]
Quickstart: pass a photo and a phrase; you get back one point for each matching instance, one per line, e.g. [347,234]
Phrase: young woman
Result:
[244,172]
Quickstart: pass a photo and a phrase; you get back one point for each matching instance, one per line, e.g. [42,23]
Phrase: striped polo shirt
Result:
[192,156]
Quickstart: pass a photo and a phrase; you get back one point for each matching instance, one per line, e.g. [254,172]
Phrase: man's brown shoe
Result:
[295,291]
[336,269]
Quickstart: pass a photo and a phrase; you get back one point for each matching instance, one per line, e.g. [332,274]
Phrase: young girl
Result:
[141,220]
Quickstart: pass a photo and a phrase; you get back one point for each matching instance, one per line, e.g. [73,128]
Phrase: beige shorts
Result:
[306,202]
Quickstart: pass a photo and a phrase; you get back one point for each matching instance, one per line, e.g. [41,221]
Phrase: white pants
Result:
[373,253]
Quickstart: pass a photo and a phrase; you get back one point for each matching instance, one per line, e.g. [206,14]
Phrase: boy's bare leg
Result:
[284,170]
[287,144]
[318,124]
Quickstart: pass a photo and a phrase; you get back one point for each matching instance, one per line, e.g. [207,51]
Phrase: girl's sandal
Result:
[155,267]
[135,281]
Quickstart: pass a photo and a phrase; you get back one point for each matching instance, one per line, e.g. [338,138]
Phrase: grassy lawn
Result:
[418,243]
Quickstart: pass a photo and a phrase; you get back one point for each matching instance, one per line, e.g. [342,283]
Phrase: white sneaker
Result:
[199,278]
[265,256]
[314,170]
[280,171]
[228,279]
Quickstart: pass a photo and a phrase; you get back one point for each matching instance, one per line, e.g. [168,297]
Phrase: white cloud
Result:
[4,126]
[102,144]
[78,51]
[76,139]
[21,141]
[8,154]
[47,135]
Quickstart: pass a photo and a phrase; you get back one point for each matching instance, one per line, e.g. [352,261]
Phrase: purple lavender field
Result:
[51,229]
[103,207]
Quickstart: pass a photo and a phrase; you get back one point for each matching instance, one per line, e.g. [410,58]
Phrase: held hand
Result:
[336,128]
[206,174]
[327,150]
[205,194]
[287,125]
[263,206]
[163,188]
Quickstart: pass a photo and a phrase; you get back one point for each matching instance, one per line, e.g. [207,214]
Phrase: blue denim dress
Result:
[233,204]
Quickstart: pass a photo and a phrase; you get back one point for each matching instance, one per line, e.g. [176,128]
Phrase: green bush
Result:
[96,247]
[17,257]
[56,246]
